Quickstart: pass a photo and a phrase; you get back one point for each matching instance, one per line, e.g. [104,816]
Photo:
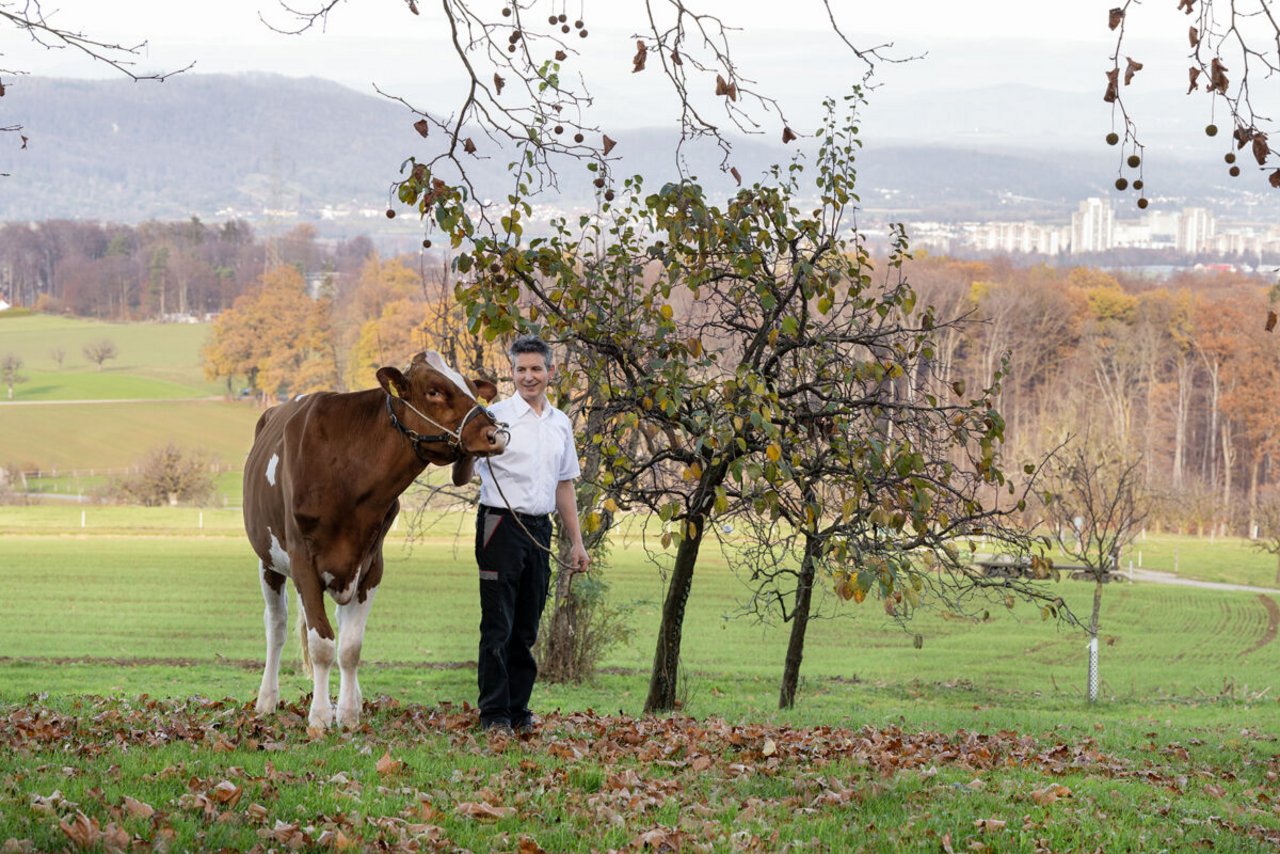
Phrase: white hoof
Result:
[321,716]
[268,701]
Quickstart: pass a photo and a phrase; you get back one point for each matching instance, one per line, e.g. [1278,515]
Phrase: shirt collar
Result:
[520,407]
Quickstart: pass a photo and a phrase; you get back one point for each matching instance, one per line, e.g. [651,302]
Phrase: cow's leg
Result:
[351,622]
[320,641]
[276,619]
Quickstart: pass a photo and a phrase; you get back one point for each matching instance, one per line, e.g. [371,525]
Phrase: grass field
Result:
[981,737]
[131,644]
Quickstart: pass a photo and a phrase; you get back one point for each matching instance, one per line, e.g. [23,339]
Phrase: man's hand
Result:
[579,560]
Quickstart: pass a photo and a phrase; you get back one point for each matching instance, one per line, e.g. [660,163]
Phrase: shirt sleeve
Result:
[569,468]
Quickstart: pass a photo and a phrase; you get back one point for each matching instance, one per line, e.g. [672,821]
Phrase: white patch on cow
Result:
[279,557]
[271,468]
[435,361]
[322,651]
[327,578]
[342,597]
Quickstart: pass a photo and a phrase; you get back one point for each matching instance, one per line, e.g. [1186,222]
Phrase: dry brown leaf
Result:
[413,6]
[1260,148]
[608,145]
[1194,74]
[701,762]
[733,92]
[80,830]
[1131,68]
[722,86]
[137,809]
[1217,77]
[226,792]
[770,747]
[485,811]
[1115,17]
[561,56]
[737,176]
[1113,86]
[1271,315]
[675,57]
[421,127]
[498,82]
[387,766]
[638,61]
[1242,136]
[989,825]
[1049,794]
[787,134]
[1193,35]
[468,146]
[529,845]
[1187,6]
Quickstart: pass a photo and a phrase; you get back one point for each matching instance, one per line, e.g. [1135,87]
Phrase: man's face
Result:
[531,375]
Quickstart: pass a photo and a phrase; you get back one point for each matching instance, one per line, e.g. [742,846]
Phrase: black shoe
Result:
[497,726]
[526,727]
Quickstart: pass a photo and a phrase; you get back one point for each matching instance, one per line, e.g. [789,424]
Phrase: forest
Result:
[1178,372]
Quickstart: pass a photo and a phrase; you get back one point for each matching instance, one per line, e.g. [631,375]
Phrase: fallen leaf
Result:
[989,825]
[1049,794]
[482,810]
[529,845]
[138,809]
[386,766]
[770,747]
[1271,315]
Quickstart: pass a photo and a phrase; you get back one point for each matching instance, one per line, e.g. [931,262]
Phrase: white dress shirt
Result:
[539,455]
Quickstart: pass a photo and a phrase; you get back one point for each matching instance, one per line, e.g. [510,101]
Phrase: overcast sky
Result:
[787,48]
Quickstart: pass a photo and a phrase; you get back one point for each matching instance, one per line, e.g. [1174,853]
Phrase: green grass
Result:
[982,737]
[80,436]
[168,352]
[1232,560]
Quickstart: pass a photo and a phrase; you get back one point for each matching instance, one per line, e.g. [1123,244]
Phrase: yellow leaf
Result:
[773,452]
[666,312]
[610,505]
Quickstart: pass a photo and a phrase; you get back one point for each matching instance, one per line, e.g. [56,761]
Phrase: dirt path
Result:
[1155,576]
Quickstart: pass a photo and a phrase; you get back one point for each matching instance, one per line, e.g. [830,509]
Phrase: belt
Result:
[523,517]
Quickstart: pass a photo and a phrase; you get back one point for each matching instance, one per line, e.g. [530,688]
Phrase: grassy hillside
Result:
[159,360]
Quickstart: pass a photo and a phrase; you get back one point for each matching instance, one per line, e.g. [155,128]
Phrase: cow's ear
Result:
[419,358]
[393,382]
[485,390]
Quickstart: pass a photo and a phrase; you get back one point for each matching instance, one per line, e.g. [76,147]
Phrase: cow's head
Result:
[444,410]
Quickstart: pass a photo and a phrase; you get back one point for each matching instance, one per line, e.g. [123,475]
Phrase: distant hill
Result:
[204,144]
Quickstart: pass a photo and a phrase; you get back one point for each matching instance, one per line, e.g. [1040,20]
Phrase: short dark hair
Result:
[530,344]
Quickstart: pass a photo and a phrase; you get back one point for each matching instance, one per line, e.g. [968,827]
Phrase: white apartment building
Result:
[1093,226]
[1196,229]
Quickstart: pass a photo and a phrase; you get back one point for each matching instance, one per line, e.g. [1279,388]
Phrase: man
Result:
[518,492]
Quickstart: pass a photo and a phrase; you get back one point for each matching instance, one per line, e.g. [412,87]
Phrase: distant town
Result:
[1095,229]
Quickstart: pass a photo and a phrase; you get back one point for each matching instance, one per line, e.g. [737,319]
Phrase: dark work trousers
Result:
[515,573]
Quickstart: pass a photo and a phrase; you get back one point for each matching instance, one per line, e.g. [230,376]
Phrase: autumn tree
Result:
[278,337]
[11,371]
[100,351]
[687,319]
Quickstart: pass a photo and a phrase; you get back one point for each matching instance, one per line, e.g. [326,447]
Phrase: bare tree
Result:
[1268,519]
[57,353]
[1095,504]
[100,351]
[11,371]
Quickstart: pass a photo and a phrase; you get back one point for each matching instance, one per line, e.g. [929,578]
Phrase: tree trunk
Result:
[1093,635]
[559,661]
[799,625]
[666,658]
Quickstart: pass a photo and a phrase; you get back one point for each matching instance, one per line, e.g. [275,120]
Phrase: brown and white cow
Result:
[321,489]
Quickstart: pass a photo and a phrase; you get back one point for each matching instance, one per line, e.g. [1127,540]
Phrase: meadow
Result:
[131,644]
[130,654]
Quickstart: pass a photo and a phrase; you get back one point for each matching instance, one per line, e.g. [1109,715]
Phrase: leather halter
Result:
[452,438]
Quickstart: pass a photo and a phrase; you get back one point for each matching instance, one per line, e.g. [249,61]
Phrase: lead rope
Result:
[516,516]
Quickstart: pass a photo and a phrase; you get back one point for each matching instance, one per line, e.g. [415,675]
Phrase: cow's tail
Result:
[302,638]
